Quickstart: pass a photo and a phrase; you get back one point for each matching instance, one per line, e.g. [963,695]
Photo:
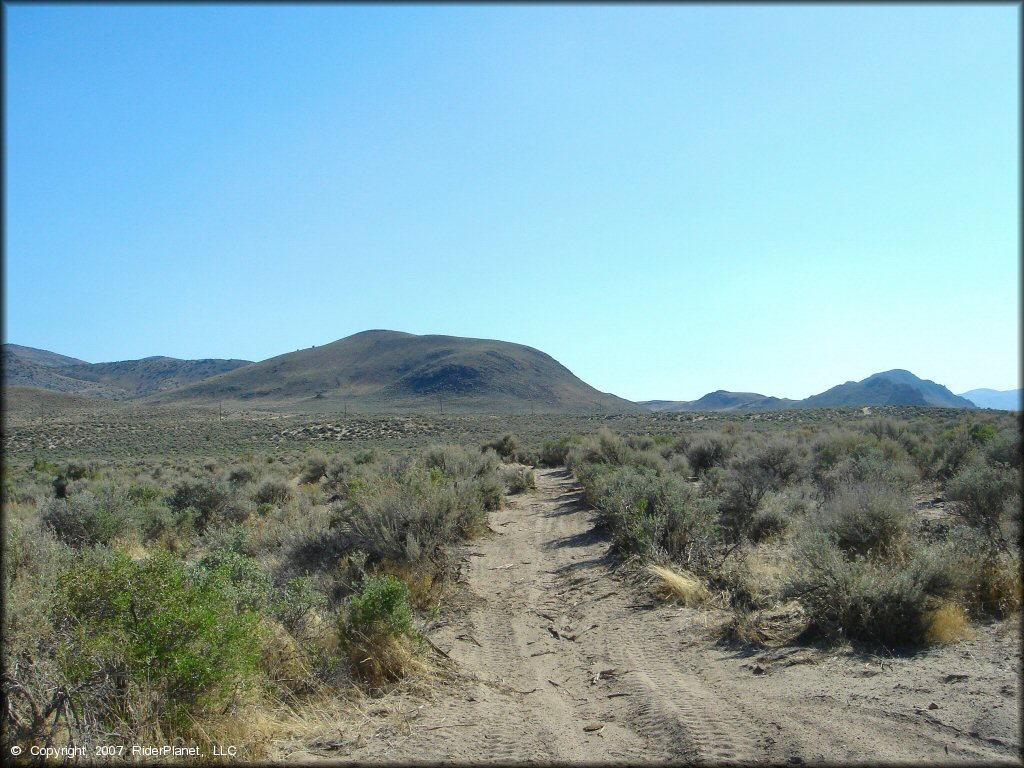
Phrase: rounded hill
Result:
[380,371]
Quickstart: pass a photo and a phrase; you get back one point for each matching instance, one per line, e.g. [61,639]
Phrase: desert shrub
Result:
[956,449]
[678,465]
[991,575]
[85,519]
[779,462]
[923,453]
[713,482]
[455,461]
[505,446]
[161,522]
[884,601]
[242,475]
[143,495]
[519,479]
[746,484]
[32,564]
[363,457]
[45,467]
[272,491]
[605,447]
[249,586]
[553,454]
[627,498]
[640,442]
[986,497]
[868,467]
[411,512]
[376,628]
[885,427]
[64,483]
[1005,448]
[297,600]
[768,524]
[339,471]
[691,530]
[708,451]
[491,491]
[650,458]
[867,518]
[314,467]
[170,630]
[208,500]
[993,585]
[655,516]
[831,447]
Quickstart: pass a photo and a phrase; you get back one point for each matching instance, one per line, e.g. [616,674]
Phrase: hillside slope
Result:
[136,378]
[42,356]
[21,372]
[121,380]
[388,370]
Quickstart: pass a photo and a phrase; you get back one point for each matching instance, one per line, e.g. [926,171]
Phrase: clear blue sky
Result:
[667,199]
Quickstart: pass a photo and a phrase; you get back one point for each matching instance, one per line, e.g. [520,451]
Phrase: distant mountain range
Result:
[381,371]
[896,387]
[128,379]
[1002,400]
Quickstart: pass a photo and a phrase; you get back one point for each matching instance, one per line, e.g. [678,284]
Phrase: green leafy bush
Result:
[173,630]
[376,629]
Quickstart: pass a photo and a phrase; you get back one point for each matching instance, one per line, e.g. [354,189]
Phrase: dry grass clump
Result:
[281,658]
[944,624]
[684,586]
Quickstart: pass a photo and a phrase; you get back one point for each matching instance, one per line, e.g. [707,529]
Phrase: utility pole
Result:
[440,402]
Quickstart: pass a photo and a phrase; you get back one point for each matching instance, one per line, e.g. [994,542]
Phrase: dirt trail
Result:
[547,616]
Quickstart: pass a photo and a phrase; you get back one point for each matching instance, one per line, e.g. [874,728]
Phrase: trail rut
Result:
[560,665]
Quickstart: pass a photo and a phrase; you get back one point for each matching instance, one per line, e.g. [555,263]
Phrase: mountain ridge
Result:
[894,387]
[121,380]
[998,399]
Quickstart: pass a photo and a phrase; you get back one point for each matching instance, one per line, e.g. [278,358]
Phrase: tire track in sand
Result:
[541,579]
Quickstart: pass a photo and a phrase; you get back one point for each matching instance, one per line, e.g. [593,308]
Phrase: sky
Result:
[668,199]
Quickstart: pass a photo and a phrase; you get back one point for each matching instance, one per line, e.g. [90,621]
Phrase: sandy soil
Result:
[556,658]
